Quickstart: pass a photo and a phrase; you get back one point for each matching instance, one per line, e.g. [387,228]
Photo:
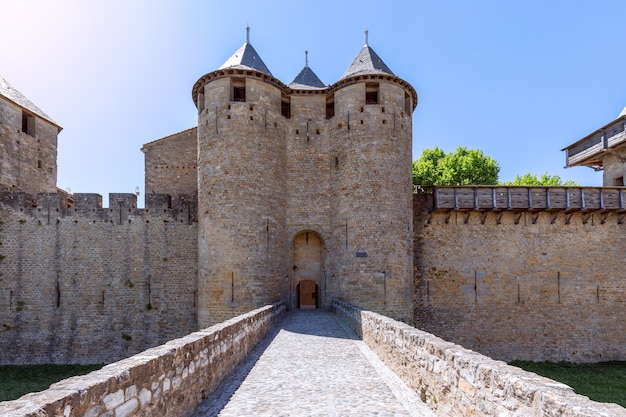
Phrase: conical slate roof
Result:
[306,79]
[367,62]
[246,57]
[622,113]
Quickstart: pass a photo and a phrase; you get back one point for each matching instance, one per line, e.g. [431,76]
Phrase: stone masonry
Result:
[28,145]
[88,284]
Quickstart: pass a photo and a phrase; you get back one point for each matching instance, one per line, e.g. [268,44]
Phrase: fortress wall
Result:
[170,164]
[523,285]
[90,284]
[455,381]
[170,380]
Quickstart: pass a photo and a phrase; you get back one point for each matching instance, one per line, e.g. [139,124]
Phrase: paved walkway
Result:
[312,365]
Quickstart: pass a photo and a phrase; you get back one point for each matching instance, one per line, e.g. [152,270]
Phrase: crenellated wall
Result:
[524,283]
[87,284]
[167,381]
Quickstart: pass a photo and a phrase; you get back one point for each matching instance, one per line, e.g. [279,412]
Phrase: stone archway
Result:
[307,258]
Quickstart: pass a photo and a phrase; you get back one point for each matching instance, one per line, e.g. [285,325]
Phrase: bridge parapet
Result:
[168,380]
[457,382]
[516,198]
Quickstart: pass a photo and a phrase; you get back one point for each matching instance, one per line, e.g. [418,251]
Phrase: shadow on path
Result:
[310,322]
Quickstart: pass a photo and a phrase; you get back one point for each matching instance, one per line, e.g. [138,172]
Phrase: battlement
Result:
[122,206]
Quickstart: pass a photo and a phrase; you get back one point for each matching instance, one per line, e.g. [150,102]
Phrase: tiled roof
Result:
[367,62]
[306,80]
[246,57]
[9,92]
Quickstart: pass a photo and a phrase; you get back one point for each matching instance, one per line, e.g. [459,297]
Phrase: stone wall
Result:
[28,160]
[88,284]
[335,165]
[514,284]
[168,381]
[455,381]
[170,164]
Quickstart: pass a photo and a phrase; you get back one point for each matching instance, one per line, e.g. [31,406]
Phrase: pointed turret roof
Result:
[306,79]
[246,57]
[367,62]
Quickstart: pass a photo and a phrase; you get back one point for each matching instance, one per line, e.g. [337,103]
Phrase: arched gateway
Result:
[307,266]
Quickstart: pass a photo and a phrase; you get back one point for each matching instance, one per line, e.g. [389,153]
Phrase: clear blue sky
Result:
[519,80]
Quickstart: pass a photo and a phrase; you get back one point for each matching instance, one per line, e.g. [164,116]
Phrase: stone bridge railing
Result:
[166,381]
[457,382]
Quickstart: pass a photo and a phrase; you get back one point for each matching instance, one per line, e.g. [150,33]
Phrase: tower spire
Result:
[306,58]
[247,33]
[366,36]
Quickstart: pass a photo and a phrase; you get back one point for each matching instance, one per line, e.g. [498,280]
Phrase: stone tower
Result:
[304,190]
[28,144]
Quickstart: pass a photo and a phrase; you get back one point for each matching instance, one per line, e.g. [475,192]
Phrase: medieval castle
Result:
[302,193]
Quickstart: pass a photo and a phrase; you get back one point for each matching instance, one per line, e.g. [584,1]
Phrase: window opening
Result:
[200,102]
[407,103]
[371,93]
[330,107]
[619,182]
[28,123]
[285,106]
[238,89]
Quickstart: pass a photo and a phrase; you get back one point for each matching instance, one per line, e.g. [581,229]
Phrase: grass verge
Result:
[17,380]
[603,381]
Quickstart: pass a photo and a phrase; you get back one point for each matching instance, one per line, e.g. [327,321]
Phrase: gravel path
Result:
[312,365]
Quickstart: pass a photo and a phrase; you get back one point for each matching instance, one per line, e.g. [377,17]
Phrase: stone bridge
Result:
[270,362]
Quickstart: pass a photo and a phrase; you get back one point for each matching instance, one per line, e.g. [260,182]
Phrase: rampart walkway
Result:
[312,365]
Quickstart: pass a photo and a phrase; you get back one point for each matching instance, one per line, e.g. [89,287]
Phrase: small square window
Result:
[371,93]
[238,89]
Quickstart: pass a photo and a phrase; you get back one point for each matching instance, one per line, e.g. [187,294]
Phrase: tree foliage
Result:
[545,180]
[462,167]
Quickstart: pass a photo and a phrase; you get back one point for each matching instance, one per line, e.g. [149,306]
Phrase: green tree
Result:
[462,167]
[529,179]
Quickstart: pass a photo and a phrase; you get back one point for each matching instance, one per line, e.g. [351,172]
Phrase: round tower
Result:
[372,250]
[241,202]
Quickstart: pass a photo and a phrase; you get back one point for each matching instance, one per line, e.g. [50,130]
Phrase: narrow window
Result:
[28,123]
[200,101]
[371,93]
[39,164]
[330,106]
[285,106]
[238,89]
[407,103]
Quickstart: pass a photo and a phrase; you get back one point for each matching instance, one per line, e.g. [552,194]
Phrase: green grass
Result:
[603,381]
[16,381]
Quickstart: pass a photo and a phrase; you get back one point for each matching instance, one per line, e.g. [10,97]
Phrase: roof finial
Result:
[247,33]
[366,33]
[306,58]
